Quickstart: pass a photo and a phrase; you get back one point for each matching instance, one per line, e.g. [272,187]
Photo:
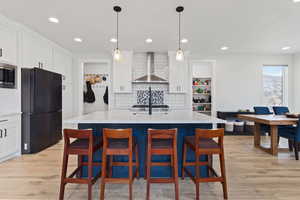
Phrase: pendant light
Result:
[117,52]
[179,53]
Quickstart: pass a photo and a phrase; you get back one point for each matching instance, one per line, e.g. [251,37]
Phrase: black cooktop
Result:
[153,106]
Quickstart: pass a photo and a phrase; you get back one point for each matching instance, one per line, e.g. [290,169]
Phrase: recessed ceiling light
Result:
[286,48]
[296,1]
[184,40]
[224,48]
[113,40]
[148,40]
[53,20]
[77,39]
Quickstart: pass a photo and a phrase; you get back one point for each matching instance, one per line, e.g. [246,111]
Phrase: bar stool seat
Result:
[203,144]
[118,142]
[162,144]
[84,144]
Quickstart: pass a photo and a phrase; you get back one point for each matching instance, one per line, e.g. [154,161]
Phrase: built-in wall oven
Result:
[8,76]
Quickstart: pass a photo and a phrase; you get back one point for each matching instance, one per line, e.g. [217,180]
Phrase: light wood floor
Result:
[252,174]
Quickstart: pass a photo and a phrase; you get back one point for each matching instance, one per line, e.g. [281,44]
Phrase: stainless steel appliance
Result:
[41,109]
[150,77]
[8,76]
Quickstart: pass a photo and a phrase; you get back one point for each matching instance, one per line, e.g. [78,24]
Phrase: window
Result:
[275,85]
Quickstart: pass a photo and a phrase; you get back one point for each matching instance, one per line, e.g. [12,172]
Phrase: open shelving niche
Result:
[202,95]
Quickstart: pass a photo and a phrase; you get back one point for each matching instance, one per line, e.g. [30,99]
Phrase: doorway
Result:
[96,83]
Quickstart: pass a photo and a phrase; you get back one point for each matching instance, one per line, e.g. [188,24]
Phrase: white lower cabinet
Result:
[10,137]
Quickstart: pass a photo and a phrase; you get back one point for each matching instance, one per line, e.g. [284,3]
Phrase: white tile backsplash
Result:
[139,67]
[175,101]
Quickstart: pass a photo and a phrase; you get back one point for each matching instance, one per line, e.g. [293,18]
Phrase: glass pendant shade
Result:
[117,54]
[179,55]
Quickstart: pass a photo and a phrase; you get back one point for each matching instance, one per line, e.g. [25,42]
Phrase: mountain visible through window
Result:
[274,85]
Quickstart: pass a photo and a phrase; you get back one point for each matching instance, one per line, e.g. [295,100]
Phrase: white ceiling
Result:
[256,26]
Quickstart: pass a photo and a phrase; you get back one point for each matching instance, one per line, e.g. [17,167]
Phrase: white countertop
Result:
[127,117]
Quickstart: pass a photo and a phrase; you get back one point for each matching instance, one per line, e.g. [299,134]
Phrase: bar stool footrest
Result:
[122,164]
[162,180]
[117,180]
[215,179]
[166,164]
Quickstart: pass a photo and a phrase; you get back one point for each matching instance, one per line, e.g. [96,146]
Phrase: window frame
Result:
[285,83]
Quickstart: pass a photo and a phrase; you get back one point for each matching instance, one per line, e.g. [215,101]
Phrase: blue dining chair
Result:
[293,135]
[263,110]
[280,110]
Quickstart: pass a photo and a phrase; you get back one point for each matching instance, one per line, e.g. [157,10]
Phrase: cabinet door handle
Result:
[1,133]
[5,120]
[1,52]
[5,132]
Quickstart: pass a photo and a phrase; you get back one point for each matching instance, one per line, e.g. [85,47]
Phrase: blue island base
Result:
[140,134]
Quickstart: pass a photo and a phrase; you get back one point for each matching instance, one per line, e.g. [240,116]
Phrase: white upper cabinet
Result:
[36,52]
[8,45]
[62,64]
[178,74]
[122,73]
[67,100]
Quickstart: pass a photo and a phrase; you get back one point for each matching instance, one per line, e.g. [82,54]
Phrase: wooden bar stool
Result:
[162,142]
[118,142]
[203,144]
[84,145]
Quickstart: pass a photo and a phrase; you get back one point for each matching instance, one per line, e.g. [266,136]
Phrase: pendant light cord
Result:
[179,35]
[117,30]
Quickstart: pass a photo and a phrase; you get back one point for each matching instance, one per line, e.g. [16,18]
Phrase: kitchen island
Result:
[184,120]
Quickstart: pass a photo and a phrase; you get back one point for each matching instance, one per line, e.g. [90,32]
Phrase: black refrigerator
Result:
[41,109]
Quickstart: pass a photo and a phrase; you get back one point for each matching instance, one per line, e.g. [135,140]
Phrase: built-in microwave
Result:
[7,76]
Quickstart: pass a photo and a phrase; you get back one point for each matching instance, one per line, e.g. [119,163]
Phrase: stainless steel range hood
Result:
[150,77]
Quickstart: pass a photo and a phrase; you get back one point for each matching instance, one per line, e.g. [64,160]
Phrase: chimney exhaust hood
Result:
[150,77]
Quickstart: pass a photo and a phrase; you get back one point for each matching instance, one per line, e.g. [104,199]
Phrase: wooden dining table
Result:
[274,121]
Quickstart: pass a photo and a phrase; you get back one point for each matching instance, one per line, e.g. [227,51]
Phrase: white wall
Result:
[297,82]
[239,79]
